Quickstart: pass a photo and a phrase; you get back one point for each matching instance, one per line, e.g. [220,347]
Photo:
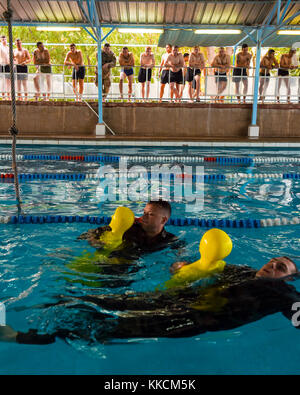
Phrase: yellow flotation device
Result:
[121,221]
[215,245]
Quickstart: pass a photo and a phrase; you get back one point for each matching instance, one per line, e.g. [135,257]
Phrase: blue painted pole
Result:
[278,11]
[100,106]
[256,80]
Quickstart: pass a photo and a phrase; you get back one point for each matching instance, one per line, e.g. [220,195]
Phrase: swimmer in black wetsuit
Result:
[240,295]
[147,234]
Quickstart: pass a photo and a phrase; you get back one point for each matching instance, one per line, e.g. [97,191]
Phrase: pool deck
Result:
[154,142]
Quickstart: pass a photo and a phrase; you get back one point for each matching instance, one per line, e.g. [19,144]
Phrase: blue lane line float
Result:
[198,222]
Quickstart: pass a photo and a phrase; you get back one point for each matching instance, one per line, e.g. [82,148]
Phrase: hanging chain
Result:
[13,129]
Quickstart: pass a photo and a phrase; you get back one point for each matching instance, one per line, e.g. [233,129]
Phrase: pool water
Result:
[36,269]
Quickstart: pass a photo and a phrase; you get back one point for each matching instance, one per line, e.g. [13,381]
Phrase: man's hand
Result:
[176,266]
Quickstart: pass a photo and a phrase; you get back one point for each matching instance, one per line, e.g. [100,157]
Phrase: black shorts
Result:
[238,73]
[165,77]
[22,72]
[176,77]
[45,69]
[265,75]
[283,73]
[5,69]
[79,74]
[144,75]
[191,73]
[220,77]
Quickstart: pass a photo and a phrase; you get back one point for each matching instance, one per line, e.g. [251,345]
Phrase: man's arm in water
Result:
[7,334]
[93,236]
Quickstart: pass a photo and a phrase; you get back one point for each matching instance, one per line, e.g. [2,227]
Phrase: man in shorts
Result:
[41,58]
[185,72]
[267,63]
[126,61]
[196,64]
[147,62]
[240,72]
[284,71]
[176,63]
[74,58]
[21,58]
[221,63]
[164,71]
[5,67]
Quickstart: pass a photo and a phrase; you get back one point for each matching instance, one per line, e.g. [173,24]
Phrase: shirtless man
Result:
[41,58]
[196,64]
[267,63]
[147,62]
[21,58]
[4,67]
[126,61]
[176,63]
[164,71]
[240,72]
[185,72]
[283,73]
[74,58]
[221,63]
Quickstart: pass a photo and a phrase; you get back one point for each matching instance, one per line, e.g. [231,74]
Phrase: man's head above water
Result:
[278,267]
[156,215]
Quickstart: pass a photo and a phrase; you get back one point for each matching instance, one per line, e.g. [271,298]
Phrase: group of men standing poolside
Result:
[175,69]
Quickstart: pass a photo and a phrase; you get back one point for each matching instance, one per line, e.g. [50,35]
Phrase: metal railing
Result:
[214,87]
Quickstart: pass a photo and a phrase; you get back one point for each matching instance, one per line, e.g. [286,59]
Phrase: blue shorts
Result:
[127,72]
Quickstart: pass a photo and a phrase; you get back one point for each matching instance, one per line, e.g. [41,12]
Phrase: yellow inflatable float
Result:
[121,221]
[215,245]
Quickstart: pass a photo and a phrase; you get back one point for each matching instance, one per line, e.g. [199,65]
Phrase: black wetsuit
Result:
[135,241]
[235,299]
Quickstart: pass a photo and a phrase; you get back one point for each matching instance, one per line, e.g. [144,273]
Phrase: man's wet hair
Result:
[244,46]
[107,45]
[186,54]
[288,258]
[162,204]
[39,43]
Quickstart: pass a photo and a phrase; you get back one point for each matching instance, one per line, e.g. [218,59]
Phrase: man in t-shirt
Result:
[108,61]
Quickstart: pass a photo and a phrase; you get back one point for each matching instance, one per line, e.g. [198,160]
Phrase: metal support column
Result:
[99,57]
[253,130]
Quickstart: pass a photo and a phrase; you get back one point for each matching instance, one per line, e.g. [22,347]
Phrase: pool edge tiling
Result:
[156,143]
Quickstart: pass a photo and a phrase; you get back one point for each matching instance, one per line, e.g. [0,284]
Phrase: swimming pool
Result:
[35,264]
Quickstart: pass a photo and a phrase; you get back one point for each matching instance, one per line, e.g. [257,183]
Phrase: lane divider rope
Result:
[152,158]
[95,176]
[205,223]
